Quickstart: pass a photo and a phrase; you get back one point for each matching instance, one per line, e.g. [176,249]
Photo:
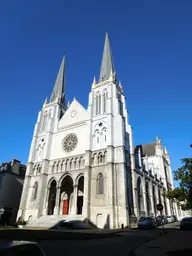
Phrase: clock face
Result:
[70,142]
[73,113]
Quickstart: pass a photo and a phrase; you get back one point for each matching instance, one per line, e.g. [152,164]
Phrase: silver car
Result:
[170,219]
[147,222]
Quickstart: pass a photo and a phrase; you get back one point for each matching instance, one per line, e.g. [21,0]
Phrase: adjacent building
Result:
[12,176]
[153,176]
[82,160]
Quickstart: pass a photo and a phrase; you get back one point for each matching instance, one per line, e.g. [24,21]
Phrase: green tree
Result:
[183,193]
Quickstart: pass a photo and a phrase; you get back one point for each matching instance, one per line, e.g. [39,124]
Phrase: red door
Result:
[65,207]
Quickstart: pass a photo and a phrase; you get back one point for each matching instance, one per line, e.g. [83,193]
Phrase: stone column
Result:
[87,185]
[145,202]
[151,199]
[162,202]
[144,196]
[57,199]
[132,158]
[45,210]
[74,203]
[24,197]
[86,193]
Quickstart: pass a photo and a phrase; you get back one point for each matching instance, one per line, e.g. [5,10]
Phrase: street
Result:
[120,244]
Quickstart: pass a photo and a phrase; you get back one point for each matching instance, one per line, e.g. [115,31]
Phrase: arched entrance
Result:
[52,197]
[66,195]
[80,195]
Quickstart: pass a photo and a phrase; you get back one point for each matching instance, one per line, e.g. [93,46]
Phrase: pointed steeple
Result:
[94,83]
[157,139]
[45,102]
[107,66]
[120,85]
[94,80]
[165,150]
[59,87]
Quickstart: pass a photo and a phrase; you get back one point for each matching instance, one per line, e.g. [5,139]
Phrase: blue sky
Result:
[151,43]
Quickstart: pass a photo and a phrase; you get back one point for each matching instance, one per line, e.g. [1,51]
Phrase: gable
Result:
[75,113]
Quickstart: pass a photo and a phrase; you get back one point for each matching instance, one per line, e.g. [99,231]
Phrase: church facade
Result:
[82,162]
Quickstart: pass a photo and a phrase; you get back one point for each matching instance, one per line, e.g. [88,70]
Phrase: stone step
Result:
[48,221]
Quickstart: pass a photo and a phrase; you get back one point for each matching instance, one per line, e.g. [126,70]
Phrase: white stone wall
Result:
[156,164]
[107,134]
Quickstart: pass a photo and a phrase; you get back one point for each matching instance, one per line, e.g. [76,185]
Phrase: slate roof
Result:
[146,149]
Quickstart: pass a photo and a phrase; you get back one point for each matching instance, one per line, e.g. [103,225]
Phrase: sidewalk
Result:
[167,245]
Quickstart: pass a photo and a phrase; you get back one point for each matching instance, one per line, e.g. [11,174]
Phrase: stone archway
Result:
[66,195]
[52,197]
[80,195]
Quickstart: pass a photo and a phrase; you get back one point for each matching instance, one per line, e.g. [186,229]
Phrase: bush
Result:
[19,222]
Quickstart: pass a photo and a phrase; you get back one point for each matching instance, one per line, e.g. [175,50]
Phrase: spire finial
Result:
[107,66]
[165,150]
[59,87]
[45,102]
[94,82]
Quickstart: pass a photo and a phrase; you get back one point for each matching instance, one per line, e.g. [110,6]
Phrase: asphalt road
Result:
[120,244]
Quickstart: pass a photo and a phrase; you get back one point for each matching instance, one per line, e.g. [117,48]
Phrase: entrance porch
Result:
[66,199]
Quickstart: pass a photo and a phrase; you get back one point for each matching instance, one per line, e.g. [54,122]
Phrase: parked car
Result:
[163,219]
[147,222]
[170,219]
[73,224]
[186,223]
[158,221]
[20,248]
[175,218]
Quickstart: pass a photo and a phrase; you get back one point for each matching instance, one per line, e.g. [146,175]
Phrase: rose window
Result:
[70,142]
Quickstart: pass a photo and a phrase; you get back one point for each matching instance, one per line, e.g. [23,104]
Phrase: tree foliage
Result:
[184,192]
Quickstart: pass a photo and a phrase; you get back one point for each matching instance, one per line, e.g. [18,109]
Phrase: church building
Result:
[82,162]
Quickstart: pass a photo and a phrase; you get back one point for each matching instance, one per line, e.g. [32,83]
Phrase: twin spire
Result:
[107,72]
[59,87]
[107,67]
